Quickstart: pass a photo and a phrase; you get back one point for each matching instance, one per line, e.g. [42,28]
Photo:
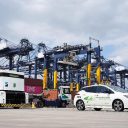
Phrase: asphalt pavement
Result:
[62,118]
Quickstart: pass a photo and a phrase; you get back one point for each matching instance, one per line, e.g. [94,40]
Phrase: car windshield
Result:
[118,89]
[66,90]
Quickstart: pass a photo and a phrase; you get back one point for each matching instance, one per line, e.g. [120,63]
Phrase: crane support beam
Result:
[77,87]
[98,75]
[89,67]
[55,79]
[45,74]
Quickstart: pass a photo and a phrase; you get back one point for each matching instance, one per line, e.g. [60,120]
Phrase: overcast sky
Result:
[73,21]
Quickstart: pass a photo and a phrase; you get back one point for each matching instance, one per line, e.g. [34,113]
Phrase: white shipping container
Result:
[11,80]
[2,97]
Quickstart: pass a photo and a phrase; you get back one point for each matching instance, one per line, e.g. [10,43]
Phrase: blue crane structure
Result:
[62,65]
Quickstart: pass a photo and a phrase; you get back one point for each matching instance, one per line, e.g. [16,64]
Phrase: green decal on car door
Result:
[88,98]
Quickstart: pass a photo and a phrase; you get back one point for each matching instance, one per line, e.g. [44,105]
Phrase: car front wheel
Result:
[118,105]
[80,105]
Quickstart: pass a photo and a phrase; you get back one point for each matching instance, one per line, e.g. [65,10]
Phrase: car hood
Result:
[125,93]
[121,93]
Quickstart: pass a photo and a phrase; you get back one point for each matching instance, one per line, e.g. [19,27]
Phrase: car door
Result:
[89,96]
[103,96]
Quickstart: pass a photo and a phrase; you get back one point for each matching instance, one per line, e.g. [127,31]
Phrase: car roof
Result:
[95,85]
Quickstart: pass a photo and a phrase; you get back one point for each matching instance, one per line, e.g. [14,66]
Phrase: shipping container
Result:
[35,90]
[33,86]
[50,95]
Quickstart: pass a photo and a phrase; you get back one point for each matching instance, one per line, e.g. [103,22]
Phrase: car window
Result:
[101,89]
[90,89]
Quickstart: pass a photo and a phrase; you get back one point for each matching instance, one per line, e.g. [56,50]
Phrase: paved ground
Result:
[61,118]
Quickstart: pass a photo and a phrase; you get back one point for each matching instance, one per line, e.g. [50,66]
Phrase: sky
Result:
[72,21]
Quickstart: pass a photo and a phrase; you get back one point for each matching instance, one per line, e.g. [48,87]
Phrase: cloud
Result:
[120,55]
[73,21]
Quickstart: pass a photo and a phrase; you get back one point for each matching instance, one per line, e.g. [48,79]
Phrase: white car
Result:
[101,96]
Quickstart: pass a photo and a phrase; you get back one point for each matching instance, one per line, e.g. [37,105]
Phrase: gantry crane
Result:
[67,64]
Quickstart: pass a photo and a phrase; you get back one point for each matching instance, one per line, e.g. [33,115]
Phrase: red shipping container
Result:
[33,86]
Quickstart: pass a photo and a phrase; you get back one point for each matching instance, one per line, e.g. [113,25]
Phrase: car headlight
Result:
[78,95]
[126,96]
